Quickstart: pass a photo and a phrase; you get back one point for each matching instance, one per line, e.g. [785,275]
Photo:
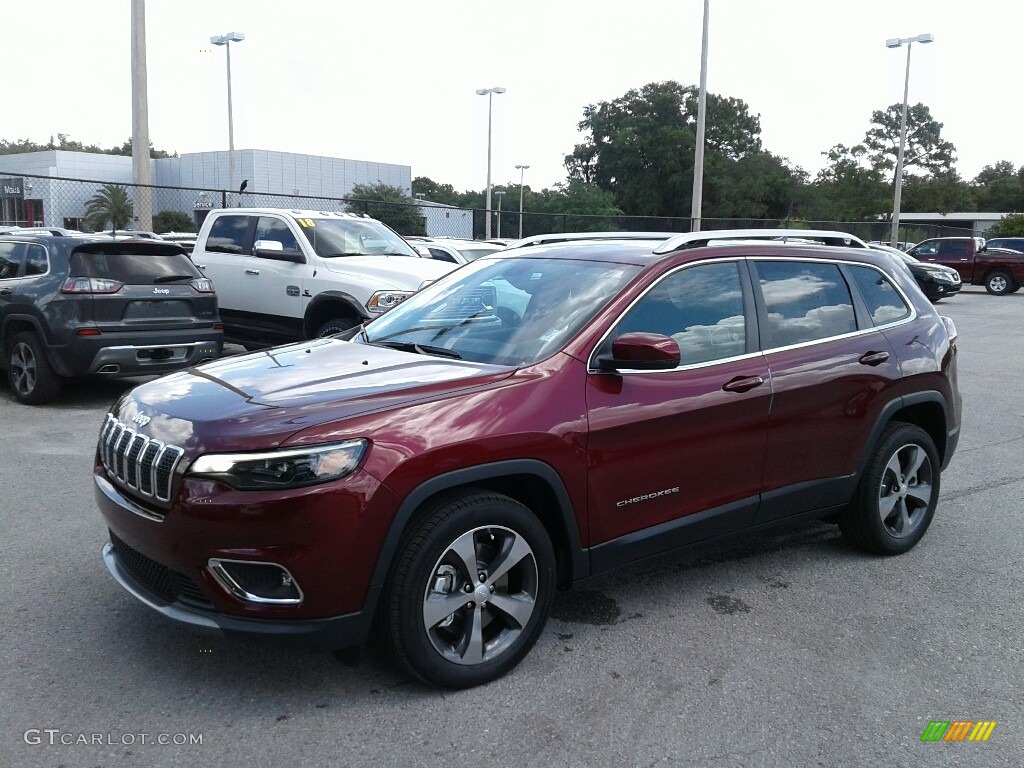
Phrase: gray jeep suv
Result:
[76,306]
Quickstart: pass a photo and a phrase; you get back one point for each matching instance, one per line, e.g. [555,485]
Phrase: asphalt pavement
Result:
[778,649]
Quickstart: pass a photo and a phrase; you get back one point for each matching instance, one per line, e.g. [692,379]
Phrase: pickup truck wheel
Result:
[337,325]
[471,591]
[1016,287]
[999,283]
[29,373]
[897,494]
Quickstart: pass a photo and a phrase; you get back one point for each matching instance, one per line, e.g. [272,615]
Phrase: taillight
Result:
[91,285]
[218,326]
[950,329]
[203,285]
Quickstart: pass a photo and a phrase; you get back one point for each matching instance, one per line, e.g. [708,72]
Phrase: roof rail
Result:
[828,237]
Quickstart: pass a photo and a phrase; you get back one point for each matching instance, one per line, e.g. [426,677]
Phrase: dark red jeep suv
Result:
[527,421]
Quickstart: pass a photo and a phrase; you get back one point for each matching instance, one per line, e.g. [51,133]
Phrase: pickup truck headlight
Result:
[276,470]
[382,301]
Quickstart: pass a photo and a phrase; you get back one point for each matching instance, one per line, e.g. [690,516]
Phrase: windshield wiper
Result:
[345,253]
[419,349]
[173,278]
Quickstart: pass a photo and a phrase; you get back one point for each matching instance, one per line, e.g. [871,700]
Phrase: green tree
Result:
[67,144]
[437,193]
[849,188]
[640,148]
[941,192]
[1000,187]
[1011,225]
[925,148]
[173,221]
[112,204]
[390,205]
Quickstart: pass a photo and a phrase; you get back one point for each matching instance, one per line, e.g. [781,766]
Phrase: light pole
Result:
[489,93]
[896,42]
[499,193]
[522,171]
[698,152]
[226,40]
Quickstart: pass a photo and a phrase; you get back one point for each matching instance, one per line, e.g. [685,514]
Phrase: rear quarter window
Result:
[132,268]
[884,303]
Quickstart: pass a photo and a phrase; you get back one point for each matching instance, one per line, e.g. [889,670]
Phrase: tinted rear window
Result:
[132,268]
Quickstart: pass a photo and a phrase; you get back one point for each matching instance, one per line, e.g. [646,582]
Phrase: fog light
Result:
[256,582]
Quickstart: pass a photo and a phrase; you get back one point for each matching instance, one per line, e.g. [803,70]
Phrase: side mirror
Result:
[272,249]
[641,352]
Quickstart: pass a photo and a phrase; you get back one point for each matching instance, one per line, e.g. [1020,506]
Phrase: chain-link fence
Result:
[49,201]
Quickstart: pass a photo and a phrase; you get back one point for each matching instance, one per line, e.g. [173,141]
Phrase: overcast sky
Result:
[394,80]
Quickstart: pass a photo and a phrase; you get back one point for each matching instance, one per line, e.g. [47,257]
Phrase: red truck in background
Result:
[1000,270]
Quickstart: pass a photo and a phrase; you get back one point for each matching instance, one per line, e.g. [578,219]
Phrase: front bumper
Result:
[327,634]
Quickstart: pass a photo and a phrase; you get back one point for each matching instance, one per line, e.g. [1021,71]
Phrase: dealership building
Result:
[52,188]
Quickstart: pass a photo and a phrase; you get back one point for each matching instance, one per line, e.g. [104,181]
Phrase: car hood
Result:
[397,273]
[257,400]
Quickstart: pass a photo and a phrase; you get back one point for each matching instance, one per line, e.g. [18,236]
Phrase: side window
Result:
[229,234]
[35,261]
[883,301]
[11,257]
[700,307]
[805,301]
[953,248]
[274,229]
[927,249]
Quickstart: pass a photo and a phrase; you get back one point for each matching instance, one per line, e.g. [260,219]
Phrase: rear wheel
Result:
[999,283]
[471,591]
[29,373]
[897,494]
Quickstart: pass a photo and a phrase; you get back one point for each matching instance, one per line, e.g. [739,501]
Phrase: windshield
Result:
[511,311]
[353,237]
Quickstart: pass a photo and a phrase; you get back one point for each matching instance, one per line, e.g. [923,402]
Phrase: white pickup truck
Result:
[287,275]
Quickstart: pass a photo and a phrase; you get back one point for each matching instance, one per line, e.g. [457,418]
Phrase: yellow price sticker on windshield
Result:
[306,223]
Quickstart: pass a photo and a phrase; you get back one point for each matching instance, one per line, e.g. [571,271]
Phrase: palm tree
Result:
[110,203]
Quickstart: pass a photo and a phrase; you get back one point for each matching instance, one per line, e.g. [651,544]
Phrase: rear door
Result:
[224,255]
[832,372]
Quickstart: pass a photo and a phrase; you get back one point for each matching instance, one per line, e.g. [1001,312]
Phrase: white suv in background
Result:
[288,275]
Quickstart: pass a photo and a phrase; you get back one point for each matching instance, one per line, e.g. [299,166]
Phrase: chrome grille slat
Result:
[138,462]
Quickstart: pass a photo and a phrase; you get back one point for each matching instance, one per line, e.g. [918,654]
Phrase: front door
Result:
[685,443]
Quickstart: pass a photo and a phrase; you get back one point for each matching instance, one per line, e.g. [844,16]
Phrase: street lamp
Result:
[499,193]
[896,42]
[522,171]
[489,93]
[226,40]
[698,152]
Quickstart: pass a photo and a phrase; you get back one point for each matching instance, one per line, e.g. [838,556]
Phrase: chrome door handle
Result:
[742,383]
[873,358]
[252,271]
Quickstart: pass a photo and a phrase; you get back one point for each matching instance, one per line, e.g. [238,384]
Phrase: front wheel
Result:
[897,494]
[999,283]
[337,325]
[471,591]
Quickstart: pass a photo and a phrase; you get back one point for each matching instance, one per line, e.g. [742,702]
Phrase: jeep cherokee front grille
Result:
[136,461]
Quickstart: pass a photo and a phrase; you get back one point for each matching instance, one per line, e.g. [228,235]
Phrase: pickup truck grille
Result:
[137,462]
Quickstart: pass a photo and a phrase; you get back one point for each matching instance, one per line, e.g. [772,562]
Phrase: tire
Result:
[29,373]
[493,621]
[896,497]
[1015,288]
[999,283]
[337,325]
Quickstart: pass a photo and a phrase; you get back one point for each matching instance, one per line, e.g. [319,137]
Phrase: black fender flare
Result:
[891,409]
[579,564]
[332,297]
[36,326]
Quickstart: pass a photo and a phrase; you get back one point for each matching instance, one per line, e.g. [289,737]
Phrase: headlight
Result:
[382,301]
[275,470]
